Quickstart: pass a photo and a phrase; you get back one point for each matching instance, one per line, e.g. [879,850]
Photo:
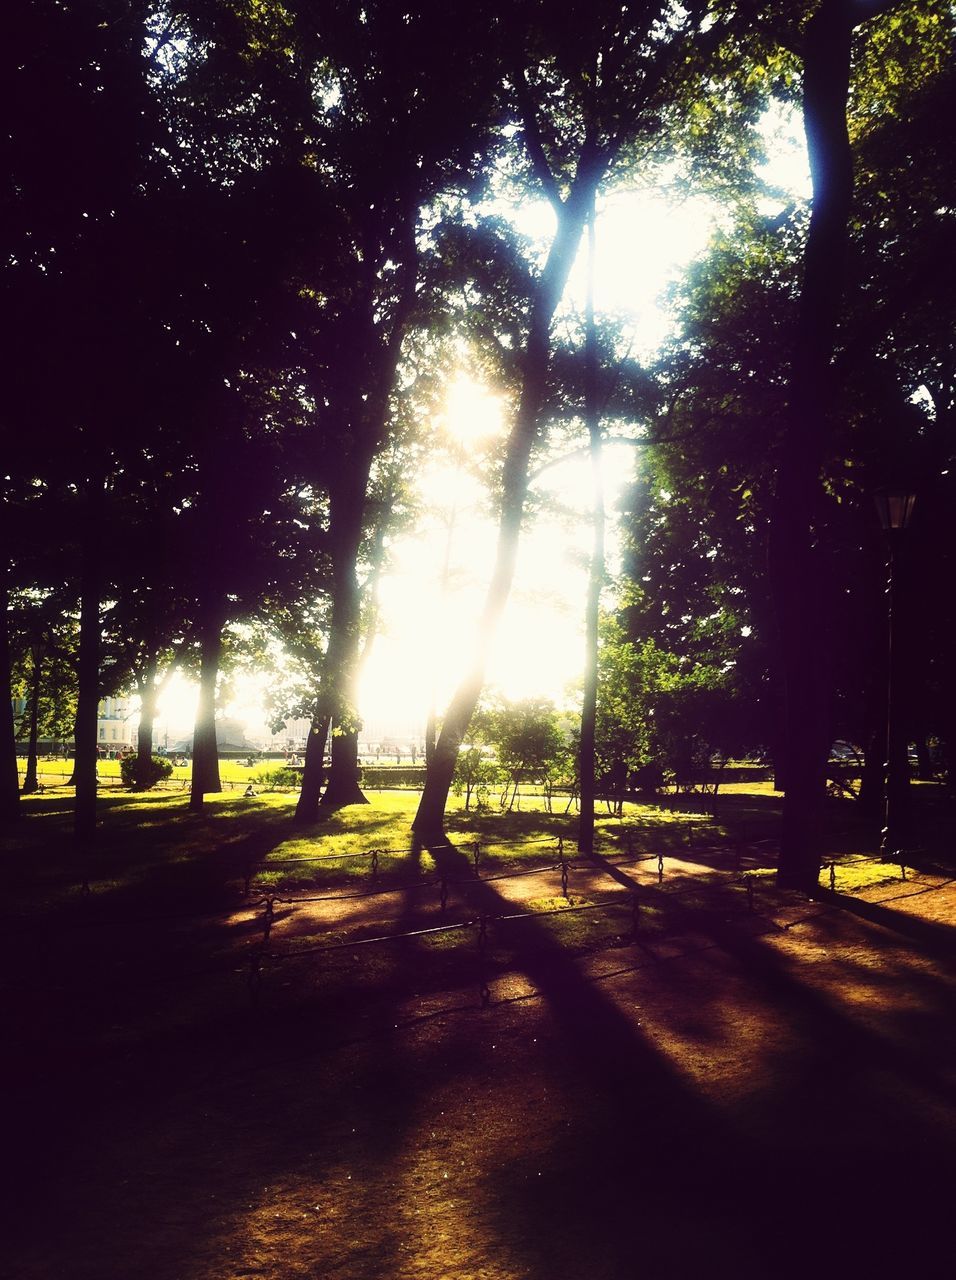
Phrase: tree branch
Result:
[534,144]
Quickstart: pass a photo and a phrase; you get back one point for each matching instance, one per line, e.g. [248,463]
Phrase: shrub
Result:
[273,779]
[474,776]
[141,777]
[385,776]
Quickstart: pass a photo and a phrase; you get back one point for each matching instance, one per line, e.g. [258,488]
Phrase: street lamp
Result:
[895,508]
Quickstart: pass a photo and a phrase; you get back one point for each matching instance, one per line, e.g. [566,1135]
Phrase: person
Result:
[249,791]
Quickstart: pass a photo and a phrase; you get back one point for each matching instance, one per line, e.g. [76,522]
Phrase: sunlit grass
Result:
[144,838]
[855,873]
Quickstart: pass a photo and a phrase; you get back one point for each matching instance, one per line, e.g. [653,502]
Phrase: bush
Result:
[385,776]
[141,778]
[474,777]
[273,779]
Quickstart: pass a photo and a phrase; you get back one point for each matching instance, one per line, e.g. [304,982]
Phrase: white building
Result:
[114,724]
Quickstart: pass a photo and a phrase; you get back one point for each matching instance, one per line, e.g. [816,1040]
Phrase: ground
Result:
[713,1089]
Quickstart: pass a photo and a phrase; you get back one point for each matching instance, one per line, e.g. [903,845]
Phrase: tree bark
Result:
[148,695]
[313,775]
[429,820]
[343,787]
[31,782]
[205,766]
[9,775]
[355,649]
[586,765]
[71,780]
[797,570]
[799,573]
[88,699]
[338,696]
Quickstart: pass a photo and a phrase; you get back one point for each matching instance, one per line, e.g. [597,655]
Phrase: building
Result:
[114,725]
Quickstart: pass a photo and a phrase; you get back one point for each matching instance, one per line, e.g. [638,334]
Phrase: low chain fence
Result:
[746,884]
[665,881]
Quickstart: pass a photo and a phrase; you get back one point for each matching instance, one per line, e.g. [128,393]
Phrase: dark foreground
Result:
[720,1092]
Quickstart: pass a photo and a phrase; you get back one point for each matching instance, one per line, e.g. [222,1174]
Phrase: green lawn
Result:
[55,772]
[142,835]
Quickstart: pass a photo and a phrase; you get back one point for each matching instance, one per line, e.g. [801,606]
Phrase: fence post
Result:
[484,991]
[267,919]
[660,868]
[255,975]
[476,855]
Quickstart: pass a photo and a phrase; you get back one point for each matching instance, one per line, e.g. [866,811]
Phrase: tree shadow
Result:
[600,1156]
[932,937]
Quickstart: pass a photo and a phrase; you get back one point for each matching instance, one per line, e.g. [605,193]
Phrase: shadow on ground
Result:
[757,1105]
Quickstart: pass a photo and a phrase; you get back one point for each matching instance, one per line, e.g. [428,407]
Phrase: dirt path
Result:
[727,1093]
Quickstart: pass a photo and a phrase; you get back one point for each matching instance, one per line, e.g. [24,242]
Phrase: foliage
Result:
[392,776]
[666,708]
[476,773]
[528,740]
[141,775]
[272,779]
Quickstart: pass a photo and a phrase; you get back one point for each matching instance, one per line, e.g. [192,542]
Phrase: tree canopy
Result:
[246,245]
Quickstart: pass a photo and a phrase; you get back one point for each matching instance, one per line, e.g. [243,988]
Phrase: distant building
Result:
[230,737]
[114,729]
[291,738]
[396,739]
[115,726]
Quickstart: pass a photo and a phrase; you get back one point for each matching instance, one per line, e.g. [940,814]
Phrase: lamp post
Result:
[895,508]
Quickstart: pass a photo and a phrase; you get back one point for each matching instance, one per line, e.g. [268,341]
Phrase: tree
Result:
[400,128]
[583,91]
[526,738]
[798,572]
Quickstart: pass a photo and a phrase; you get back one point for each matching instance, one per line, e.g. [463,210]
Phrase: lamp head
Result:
[894,507]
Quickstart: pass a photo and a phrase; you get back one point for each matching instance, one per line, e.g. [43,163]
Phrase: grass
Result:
[144,837]
[55,772]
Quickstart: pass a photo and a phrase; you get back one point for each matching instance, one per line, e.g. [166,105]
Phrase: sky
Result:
[644,242]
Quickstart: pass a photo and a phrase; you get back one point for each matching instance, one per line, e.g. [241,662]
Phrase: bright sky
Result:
[644,242]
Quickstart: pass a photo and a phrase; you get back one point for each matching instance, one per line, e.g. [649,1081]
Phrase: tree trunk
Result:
[871,779]
[335,715]
[313,775]
[344,772]
[71,780]
[595,570]
[343,787]
[31,782]
[148,695]
[9,775]
[797,569]
[337,699]
[88,697]
[924,759]
[205,767]
[429,820]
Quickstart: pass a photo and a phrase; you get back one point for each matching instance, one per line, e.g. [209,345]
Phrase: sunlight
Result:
[473,415]
[430,616]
